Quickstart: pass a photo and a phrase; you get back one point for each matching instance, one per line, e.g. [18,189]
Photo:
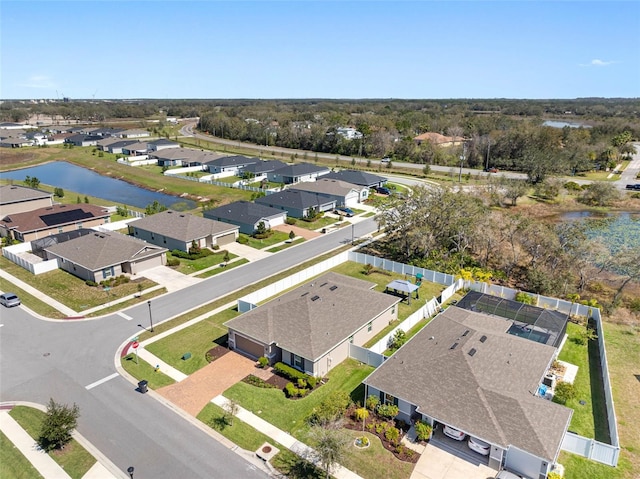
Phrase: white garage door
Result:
[526,464]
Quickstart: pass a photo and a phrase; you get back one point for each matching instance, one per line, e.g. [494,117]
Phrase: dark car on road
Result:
[633,187]
[383,191]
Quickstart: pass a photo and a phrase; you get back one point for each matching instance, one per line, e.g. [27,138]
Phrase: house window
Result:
[298,361]
[79,224]
[60,229]
[153,236]
[369,327]
[164,239]
[393,310]
[389,399]
[351,339]
[106,272]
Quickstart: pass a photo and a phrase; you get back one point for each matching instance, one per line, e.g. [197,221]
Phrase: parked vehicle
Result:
[633,187]
[479,446]
[504,474]
[454,433]
[8,300]
[343,210]
[385,160]
[383,191]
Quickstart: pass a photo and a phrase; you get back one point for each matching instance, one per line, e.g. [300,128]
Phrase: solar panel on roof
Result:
[64,217]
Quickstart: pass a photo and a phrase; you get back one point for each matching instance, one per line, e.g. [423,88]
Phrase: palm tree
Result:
[362,413]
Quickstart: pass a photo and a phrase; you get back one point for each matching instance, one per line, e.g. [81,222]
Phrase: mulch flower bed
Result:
[216,353]
[400,451]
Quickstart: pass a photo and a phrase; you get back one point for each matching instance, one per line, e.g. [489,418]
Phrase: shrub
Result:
[257,382]
[290,221]
[263,362]
[302,384]
[564,392]
[370,426]
[215,247]
[194,253]
[525,298]
[408,452]
[397,340]
[288,372]
[572,186]
[332,408]
[290,390]
[584,336]
[554,475]
[91,283]
[243,240]
[364,441]
[372,402]
[382,427]
[312,381]
[423,430]
[388,410]
[173,262]
[392,434]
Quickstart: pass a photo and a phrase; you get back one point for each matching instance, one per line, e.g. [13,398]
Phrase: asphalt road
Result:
[52,359]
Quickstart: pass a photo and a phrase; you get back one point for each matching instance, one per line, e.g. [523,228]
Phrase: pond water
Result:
[617,230]
[562,124]
[60,174]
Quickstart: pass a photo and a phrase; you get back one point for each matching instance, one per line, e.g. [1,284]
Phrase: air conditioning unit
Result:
[550,381]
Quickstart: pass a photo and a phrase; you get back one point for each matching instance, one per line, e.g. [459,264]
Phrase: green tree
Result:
[599,193]
[330,446]
[59,422]
[361,414]
[397,340]
[291,235]
[58,192]
[32,182]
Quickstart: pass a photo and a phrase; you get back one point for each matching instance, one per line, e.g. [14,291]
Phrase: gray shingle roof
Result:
[16,194]
[236,160]
[356,177]
[101,250]
[300,169]
[293,199]
[327,187]
[488,394]
[182,226]
[311,327]
[244,211]
[265,166]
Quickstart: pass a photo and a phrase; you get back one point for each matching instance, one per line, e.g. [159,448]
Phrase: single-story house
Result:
[465,370]
[176,230]
[12,142]
[106,142]
[83,140]
[182,156]
[118,147]
[18,199]
[311,327]
[296,173]
[297,203]
[138,148]
[233,164]
[104,132]
[35,224]
[356,177]
[345,194]
[162,144]
[438,140]
[100,255]
[134,134]
[263,167]
[7,125]
[247,215]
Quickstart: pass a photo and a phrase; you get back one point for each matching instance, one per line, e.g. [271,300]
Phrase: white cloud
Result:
[39,81]
[597,63]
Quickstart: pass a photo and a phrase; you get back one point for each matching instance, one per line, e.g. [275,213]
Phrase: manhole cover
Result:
[46,354]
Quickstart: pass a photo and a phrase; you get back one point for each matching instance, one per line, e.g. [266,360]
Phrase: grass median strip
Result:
[13,464]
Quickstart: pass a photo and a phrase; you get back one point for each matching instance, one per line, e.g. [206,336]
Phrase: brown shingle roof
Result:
[488,394]
[53,216]
[315,317]
[182,226]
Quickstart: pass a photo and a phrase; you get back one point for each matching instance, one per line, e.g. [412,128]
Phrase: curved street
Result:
[73,361]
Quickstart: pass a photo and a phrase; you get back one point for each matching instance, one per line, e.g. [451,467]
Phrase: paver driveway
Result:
[193,394]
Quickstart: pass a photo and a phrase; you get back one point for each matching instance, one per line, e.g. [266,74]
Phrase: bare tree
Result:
[330,446]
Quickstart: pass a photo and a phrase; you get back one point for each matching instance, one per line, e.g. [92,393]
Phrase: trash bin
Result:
[142,386]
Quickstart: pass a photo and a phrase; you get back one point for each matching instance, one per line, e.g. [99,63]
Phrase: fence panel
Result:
[366,356]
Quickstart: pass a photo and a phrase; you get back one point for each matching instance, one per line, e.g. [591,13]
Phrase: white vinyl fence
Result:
[366,356]
[21,255]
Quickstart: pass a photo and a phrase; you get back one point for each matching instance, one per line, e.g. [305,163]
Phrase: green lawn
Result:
[188,266]
[141,369]
[578,467]
[197,339]
[13,464]
[375,462]
[71,290]
[290,415]
[588,420]
[276,237]
[286,245]
[219,270]
[322,222]
[74,459]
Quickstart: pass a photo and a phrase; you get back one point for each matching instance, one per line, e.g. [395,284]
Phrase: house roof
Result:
[119,143]
[182,226]
[312,319]
[236,160]
[101,250]
[327,187]
[164,141]
[17,194]
[300,169]
[356,177]
[110,140]
[81,137]
[244,212]
[293,199]
[492,376]
[264,166]
[189,154]
[137,146]
[134,132]
[53,216]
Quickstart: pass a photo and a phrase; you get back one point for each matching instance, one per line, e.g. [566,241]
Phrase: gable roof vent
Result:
[304,294]
[483,338]
[324,284]
[333,288]
[454,346]
[472,351]
[315,298]
[465,333]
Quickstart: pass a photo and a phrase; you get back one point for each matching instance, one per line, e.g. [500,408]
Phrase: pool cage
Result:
[530,322]
[38,246]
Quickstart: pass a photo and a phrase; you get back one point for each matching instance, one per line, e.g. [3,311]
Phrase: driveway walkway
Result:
[245,251]
[302,232]
[436,463]
[193,393]
[170,279]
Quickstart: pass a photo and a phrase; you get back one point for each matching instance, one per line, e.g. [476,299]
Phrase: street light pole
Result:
[130,470]
[150,316]
[464,153]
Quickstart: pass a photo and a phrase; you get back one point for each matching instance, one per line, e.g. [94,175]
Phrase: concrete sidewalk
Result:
[34,292]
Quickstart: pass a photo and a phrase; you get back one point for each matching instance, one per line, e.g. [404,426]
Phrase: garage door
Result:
[520,461]
[249,347]
[226,239]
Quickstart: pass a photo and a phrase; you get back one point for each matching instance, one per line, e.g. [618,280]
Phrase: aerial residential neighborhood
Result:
[320,240]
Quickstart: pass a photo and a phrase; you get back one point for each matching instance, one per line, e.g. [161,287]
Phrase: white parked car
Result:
[454,433]
[479,446]
[508,475]
[9,300]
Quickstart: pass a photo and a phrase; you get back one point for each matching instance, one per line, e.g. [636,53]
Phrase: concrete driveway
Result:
[169,278]
[437,463]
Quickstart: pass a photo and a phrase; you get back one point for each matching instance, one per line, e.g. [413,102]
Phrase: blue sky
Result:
[319,49]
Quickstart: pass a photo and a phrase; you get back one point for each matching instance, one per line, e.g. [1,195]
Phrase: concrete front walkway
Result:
[436,463]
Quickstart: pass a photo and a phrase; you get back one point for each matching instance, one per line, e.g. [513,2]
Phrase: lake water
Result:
[72,178]
[562,124]
[616,230]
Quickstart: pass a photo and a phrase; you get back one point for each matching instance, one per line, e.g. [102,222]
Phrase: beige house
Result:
[18,199]
[311,327]
[42,222]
